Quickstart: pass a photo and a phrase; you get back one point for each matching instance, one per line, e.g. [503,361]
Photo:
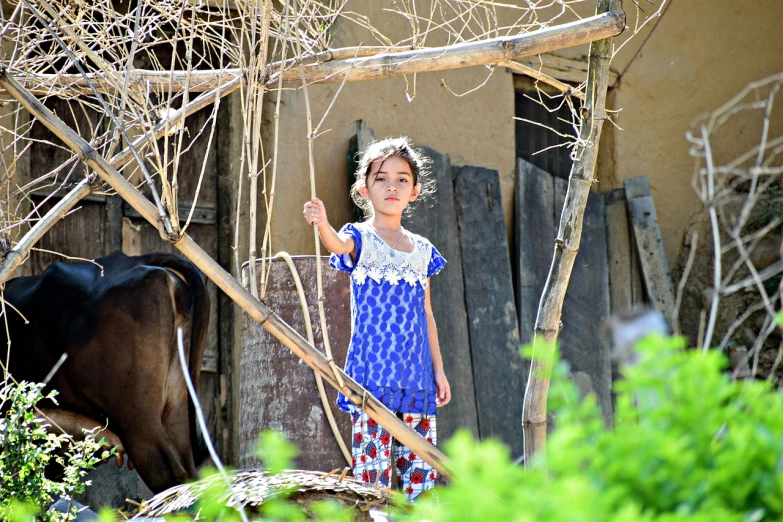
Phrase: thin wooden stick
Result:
[255,308]
[316,235]
[269,197]
[164,124]
[256,120]
[534,418]
[543,78]
[717,262]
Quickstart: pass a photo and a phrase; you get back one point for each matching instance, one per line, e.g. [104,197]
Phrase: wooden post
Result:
[650,246]
[255,308]
[550,308]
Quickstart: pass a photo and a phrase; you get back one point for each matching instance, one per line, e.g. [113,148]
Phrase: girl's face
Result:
[389,186]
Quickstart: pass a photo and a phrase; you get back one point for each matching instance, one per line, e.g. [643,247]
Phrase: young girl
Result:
[394,350]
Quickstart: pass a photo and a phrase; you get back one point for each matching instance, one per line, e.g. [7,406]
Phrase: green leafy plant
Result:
[687,444]
[26,449]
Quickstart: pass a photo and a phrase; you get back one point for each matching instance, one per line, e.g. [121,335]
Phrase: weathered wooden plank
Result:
[229,180]
[84,232]
[202,214]
[197,155]
[619,248]
[277,391]
[114,212]
[80,234]
[492,320]
[649,246]
[535,235]
[638,293]
[131,236]
[586,303]
[356,146]
[364,135]
[436,219]
[586,307]
[636,187]
[651,255]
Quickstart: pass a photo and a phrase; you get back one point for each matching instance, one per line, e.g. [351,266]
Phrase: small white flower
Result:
[359,275]
[392,277]
[375,274]
[410,277]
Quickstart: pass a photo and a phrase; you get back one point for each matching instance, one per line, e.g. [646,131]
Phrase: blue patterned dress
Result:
[389,352]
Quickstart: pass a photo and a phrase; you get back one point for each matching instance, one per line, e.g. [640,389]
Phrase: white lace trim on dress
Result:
[379,262]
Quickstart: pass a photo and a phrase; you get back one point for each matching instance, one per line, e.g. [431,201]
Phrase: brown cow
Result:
[119,331]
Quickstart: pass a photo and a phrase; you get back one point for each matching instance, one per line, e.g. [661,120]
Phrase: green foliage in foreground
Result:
[687,444]
[26,449]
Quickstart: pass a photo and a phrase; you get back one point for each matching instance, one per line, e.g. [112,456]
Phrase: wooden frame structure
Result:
[598,29]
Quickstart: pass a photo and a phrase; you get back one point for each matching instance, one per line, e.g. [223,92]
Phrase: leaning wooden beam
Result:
[14,257]
[255,308]
[458,56]
[156,81]
[381,62]
[550,308]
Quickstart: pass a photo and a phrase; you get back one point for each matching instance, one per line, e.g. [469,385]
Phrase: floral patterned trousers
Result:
[373,449]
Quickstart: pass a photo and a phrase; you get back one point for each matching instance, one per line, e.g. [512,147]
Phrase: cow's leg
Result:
[61,421]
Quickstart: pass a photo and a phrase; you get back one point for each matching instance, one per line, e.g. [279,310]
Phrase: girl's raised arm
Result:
[315,212]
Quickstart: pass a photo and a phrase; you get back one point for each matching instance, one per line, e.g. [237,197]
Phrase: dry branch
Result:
[164,125]
[255,308]
[387,64]
[534,418]
[543,78]
[485,52]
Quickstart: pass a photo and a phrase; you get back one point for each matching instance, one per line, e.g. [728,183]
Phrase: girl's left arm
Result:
[442,388]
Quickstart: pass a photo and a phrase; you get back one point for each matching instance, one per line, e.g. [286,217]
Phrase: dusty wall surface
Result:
[702,53]
[475,129]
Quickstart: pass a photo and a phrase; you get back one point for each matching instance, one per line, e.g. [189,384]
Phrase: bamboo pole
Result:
[534,418]
[255,308]
[15,256]
[389,64]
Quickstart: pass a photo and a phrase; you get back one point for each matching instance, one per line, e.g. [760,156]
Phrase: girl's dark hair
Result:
[380,151]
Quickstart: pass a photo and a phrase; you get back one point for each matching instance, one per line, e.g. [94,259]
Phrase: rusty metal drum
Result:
[276,389]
